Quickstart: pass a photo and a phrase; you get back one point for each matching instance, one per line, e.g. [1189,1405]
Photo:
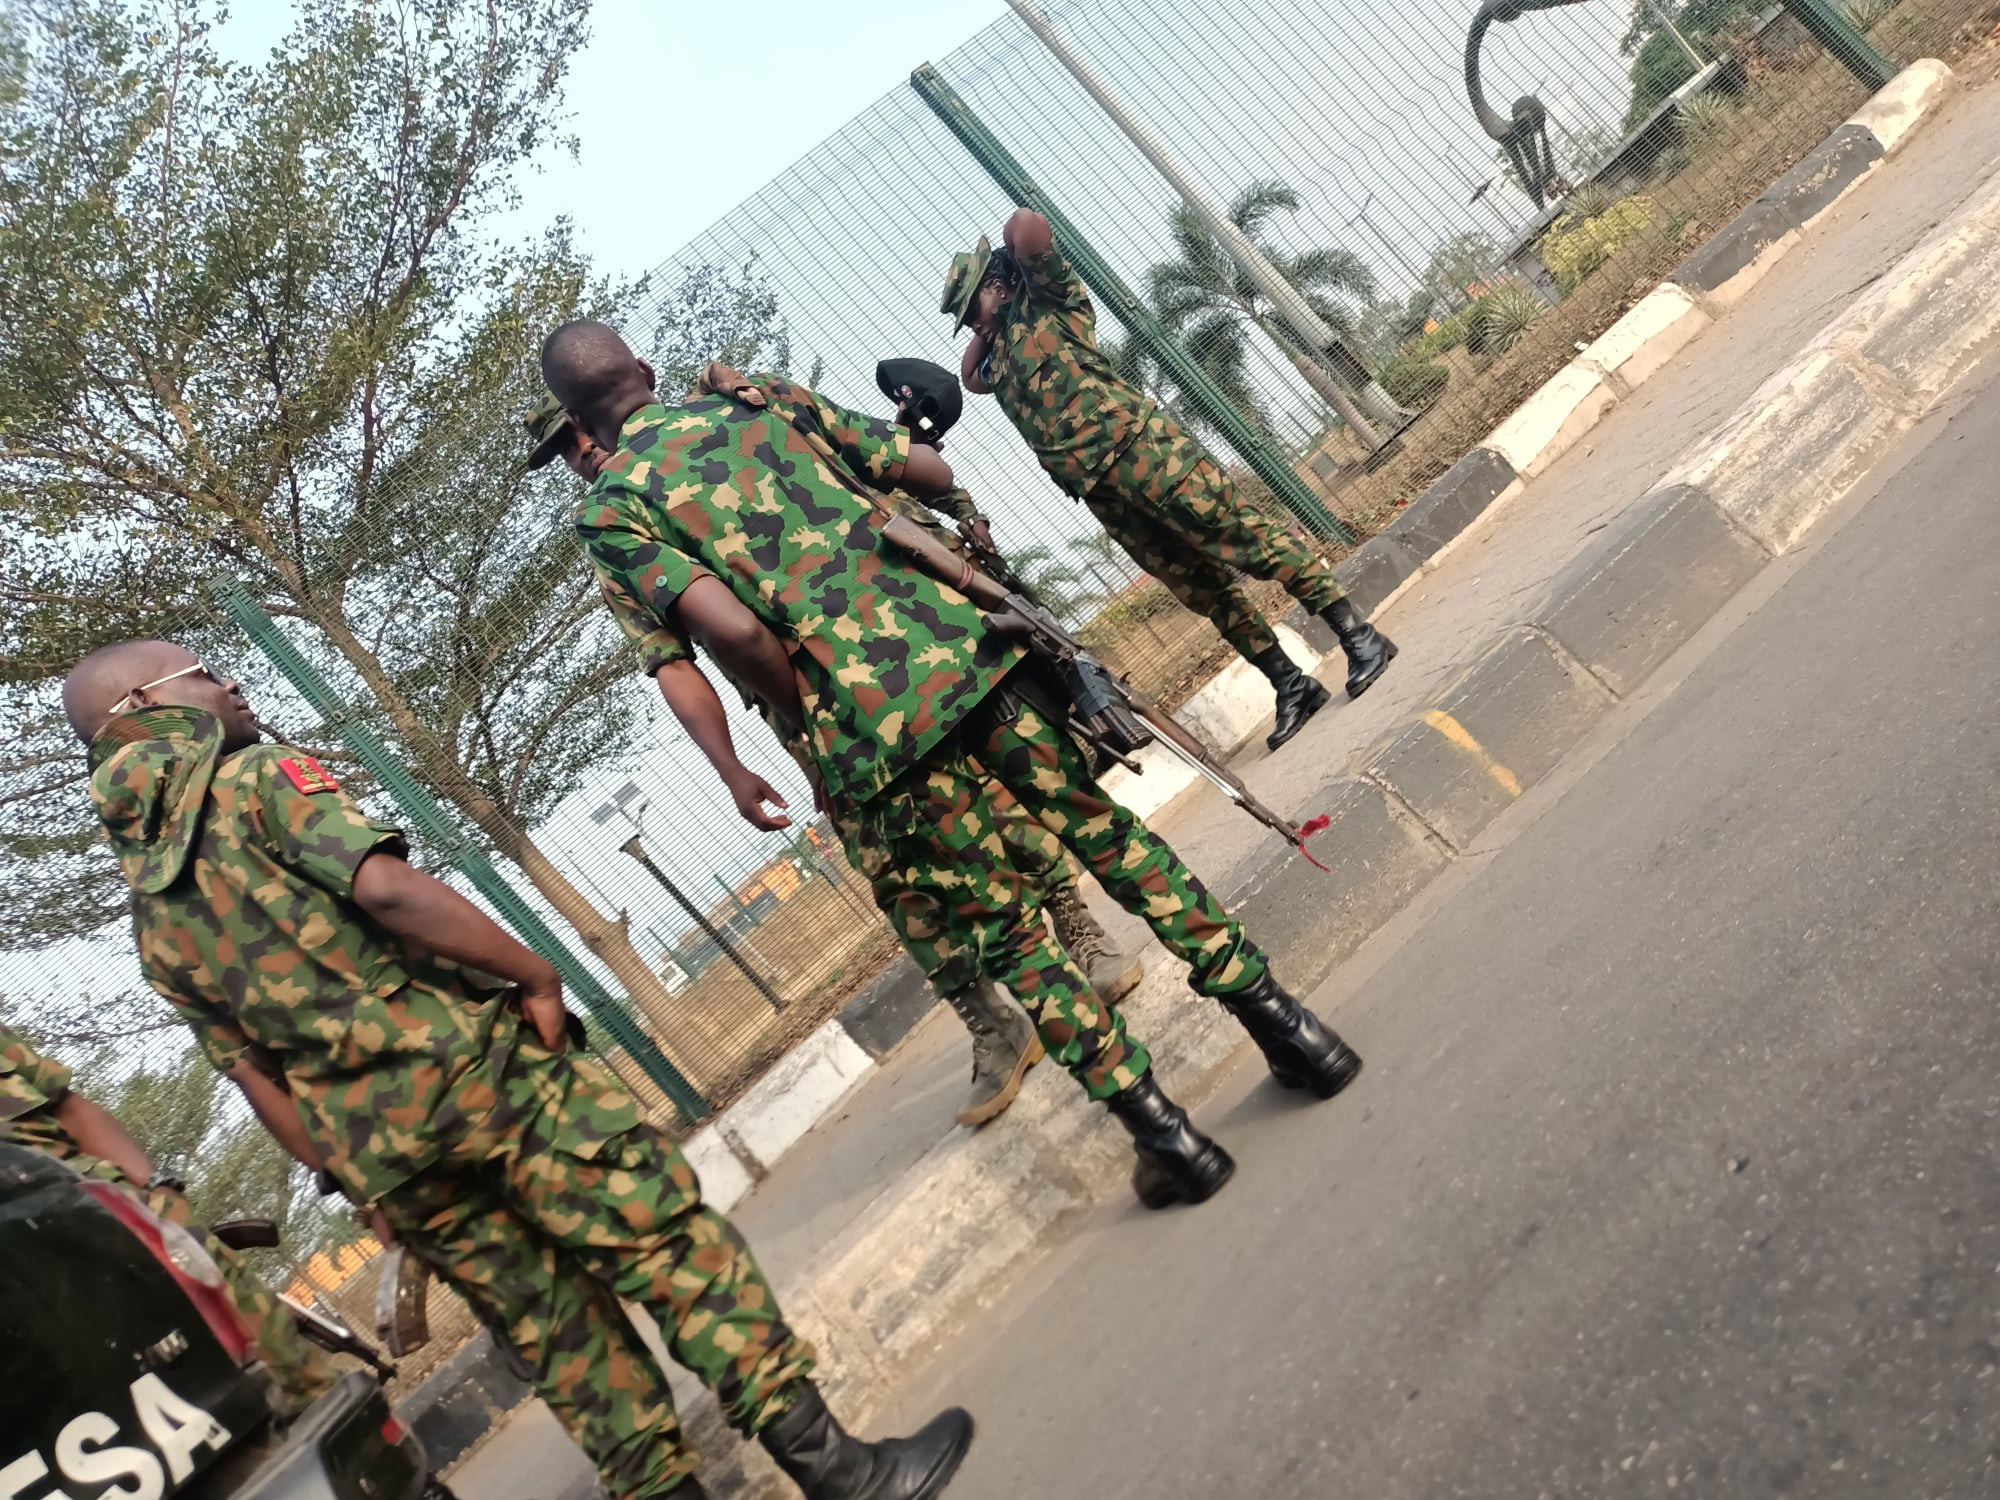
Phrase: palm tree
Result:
[1210,301]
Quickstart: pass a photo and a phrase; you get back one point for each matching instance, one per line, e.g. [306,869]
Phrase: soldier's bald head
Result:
[596,376]
[135,670]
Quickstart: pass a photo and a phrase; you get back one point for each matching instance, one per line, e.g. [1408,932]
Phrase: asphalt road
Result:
[1676,1166]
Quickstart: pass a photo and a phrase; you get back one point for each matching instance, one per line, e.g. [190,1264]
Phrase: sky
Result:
[844,191]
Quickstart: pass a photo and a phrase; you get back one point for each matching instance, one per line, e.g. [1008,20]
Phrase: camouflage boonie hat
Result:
[968,269]
[548,429]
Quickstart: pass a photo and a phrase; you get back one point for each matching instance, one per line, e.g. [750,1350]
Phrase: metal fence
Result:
[1458,271]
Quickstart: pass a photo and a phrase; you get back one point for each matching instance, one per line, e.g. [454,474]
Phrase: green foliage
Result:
[1659,69]
[1450,334]
[1590,200]
[1865,15]
[254,318]
[1659,65]
[1065,589]
[1574,247]
[1705,121]
[1502,316]
[1213,305]
[1414,383]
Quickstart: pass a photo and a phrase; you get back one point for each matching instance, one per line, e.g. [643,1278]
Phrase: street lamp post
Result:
[630,804]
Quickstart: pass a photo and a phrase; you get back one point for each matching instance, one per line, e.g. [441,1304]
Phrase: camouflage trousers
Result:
[544,1226]
[920,922]
[1185,526]
[940,824]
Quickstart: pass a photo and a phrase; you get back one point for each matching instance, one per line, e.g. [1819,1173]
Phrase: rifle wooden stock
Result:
[943,564]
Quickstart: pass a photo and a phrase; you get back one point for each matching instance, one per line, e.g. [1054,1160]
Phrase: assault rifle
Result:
[1106,710]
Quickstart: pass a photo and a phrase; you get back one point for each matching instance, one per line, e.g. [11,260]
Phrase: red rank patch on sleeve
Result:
[307,774]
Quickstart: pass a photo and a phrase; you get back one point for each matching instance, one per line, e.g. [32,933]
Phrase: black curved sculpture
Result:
[1525,136]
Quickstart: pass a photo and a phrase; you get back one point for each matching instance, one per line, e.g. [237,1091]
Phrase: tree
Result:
[1466,260]
[249,320]
[1659,63]
[1060,587]
[1209,300]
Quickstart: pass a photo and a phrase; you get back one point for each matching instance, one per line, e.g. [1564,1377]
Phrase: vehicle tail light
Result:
[392,1432]
[193,1270]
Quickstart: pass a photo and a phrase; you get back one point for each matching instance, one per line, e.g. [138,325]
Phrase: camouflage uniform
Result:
[31,1088]
[523,1177]
[902,688]
[1155,489]
[923,931]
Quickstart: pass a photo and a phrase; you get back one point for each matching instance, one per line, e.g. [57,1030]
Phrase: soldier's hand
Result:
[978,534]
[751,792]
[542,1005]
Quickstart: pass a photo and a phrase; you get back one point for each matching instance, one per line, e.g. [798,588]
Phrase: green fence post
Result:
[1251,445]
[1829,25]
[431,820]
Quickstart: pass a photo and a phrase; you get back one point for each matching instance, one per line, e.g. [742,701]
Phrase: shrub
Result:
[1573,247]
[1705,121]
[1414,383]
[1590,200]
[1505,313]
[1448,335]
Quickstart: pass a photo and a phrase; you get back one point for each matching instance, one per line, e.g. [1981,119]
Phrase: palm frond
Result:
[1254,206]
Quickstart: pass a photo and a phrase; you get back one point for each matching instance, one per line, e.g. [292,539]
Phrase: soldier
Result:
[424,1064]
[1164,500]
[1004,1045]
[38,1108]
[911,707]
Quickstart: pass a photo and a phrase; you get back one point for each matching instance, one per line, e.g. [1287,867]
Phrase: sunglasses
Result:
[146,687]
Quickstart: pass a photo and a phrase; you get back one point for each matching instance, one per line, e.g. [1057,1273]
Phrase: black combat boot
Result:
[1302,1050]
[1368,651]
[827,1463]
[1177,1163]
[1299,696]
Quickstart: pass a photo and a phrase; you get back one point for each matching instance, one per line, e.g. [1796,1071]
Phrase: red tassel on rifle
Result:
[1307,829]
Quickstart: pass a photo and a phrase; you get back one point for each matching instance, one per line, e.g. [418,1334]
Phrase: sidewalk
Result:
[828,1195]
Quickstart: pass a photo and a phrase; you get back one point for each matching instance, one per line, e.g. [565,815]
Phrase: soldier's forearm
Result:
[926,475]
[97,1131]
[742,645]
[692,700]
[968,367]
[423,910]
[272,1104]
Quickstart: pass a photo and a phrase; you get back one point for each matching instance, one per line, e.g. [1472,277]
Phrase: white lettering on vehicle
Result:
[22,1472]
[85,1453]
[82,1455]
[177,1427]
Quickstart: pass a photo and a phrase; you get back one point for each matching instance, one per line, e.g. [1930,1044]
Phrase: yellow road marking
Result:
[1454,731]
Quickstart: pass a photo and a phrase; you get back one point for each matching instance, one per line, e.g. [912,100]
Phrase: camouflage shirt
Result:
[781,504]
[31,1086]
[1059,390]
[242,872]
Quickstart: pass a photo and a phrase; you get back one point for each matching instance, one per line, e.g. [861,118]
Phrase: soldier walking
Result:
[1159,494]
[911,707]
[423,1061]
